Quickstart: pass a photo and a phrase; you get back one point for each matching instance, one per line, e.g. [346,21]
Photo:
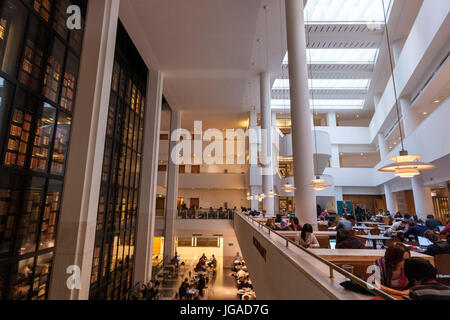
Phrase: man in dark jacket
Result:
[416,230]
[432,222]
[183,288]
[345,241]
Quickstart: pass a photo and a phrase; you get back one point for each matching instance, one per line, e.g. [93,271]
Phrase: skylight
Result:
[339,56]
[322,104]
[346,11]
[324,84]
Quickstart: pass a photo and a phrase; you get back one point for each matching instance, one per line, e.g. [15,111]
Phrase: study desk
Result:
[374,239]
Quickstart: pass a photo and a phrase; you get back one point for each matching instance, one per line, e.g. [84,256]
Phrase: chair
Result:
[442,264]
[391,241]
[411,243]
[323,227]
[324,241]
[375,232]
[352,232]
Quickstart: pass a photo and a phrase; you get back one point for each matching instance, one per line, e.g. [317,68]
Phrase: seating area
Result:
[242,280]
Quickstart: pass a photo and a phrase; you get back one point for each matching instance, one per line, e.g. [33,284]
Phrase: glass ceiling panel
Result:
[346,11]
[339,56]
[322,104]
[334,84]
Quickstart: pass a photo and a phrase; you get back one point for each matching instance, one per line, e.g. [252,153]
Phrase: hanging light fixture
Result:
[288,188]
[318,183]
[405,165]
[271,194]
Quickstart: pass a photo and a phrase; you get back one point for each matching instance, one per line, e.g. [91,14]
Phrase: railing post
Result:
[331,273]
[287,243]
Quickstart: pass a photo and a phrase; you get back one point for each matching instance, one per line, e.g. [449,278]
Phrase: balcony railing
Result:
[205,214]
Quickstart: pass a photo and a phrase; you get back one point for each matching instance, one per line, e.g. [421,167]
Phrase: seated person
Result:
[284,226]
[415,230]
[422,276]
[393,279]
[270,223]
[278,218]
[295,224]
[344,240]
[438,246]
[245,284]
[432,222]
[344,223]
[241,274]
[213,262]
[398,215]
[397,227]
[322,222]
[325,214]
[307,238]
[446,230]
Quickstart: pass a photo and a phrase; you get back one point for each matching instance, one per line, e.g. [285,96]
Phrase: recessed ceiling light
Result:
[436,101]
[362,153]
[395,143]
[357,115]
[390,147]
[425,113]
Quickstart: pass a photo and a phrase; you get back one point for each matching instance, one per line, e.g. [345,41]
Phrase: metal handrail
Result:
[332,266]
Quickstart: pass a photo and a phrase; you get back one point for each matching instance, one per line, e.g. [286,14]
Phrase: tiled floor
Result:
[220,287]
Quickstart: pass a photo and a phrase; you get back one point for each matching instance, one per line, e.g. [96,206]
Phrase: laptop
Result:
[333,244]
[441,228]
[424,242]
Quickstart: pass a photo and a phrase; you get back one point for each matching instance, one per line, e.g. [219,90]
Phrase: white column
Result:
[266,135]
[78,218]
[338,196]
[376,99]
[253,154]
[335,156]
[254,203]
[384,151]
[422,198]
[332,119]
[397,47]
[390,201]
[410,117]
[172,193]
[149,179]
[305,198]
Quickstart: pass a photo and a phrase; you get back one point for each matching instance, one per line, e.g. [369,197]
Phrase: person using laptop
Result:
[415,230]
[437,246]
[422,278]
[432,223]
[397,227]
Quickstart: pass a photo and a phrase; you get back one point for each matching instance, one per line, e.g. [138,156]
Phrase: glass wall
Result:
[113,261]
[39,61]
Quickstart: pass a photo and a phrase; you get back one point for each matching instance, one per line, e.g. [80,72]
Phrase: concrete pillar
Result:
[266,136]
[422,198]
[172,193]
[390,201]
[411,118]
[332,119]
[305,197]
[335,156]
[384,151]
[397,47]
[78,218]
[149,179]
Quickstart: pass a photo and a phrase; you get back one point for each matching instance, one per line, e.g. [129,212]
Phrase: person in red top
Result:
[446,230]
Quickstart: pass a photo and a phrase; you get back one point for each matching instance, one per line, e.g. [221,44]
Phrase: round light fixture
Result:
[271,194]
[406,166]
[319,184]
[289,188]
